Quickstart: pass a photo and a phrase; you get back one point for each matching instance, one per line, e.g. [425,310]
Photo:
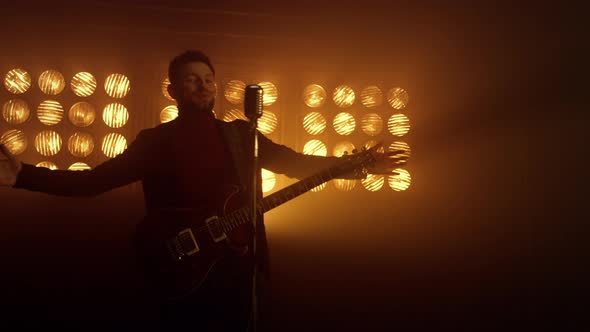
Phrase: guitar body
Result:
[180,247]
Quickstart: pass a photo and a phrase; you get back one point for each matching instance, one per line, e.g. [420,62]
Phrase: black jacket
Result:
[148,159]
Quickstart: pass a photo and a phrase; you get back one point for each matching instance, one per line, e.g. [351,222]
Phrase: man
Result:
[184,165]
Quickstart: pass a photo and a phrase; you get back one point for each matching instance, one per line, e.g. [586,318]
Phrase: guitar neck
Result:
[288,193]
[243,215]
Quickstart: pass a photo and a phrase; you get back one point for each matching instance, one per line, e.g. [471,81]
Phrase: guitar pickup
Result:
[187,242]
[217,234]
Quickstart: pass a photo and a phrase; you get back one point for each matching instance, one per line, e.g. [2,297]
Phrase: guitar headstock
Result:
[358,162]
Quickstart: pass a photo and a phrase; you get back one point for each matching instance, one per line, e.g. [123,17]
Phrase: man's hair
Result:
[184,58]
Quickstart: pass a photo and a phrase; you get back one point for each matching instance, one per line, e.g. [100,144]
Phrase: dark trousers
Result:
[222,303]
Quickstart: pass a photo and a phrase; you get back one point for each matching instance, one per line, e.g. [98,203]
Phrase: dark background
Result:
[491,235]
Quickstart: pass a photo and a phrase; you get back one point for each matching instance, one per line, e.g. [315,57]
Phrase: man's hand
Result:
[386,162]
[9,167]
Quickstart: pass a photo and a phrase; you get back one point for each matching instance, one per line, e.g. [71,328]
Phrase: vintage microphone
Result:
[253,102]
[253,111]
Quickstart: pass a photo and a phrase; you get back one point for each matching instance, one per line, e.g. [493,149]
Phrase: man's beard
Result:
[189,106]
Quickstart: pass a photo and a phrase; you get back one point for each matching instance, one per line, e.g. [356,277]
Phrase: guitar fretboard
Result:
[243,215]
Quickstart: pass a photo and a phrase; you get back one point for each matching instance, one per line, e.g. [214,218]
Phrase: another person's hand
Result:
[386,162]
[9,167]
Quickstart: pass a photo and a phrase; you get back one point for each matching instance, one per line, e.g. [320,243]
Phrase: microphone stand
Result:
[253,110]
[254,217]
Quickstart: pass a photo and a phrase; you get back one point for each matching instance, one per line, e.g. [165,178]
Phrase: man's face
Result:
[196,88]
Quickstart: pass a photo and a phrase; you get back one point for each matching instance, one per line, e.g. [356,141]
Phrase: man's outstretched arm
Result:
[281,159]
[125,168]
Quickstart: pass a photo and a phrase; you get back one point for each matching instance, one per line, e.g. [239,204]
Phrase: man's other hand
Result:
[9,167]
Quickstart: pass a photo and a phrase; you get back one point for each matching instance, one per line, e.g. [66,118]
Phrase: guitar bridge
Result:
[217,234]
[183,244]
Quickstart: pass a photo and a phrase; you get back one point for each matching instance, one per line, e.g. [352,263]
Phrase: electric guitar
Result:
[180,251]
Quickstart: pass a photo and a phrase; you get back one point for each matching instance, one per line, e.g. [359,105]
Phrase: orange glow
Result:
[16,111]
[398,98]
[314,95]
[371,96]
[372,124]
[17,81]
[15,141]
[47,164]
[234,92]
[269,180]
[344,123]
[398,125]
[318,188]
[401,146]
[117,85]
[270,93]
[400,182]
[345,184]
[79,167]
[50,112]
[315,147]
[169,113]
[314,123]
[371,144]
[48,143]
[164,87]
[113,144]
[373,182]
[81,144]
[83,84]
[267,122]
[82,114]
[115,115]
[234,114]
[343,148]
[343,96]
[51,82]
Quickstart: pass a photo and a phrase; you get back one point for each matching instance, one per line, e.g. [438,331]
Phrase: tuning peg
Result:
[345,153]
